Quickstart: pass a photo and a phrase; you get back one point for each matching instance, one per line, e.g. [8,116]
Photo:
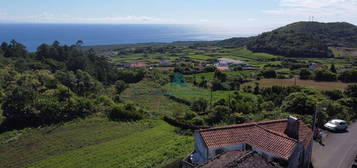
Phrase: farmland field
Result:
[192,93]
[95,142]
[308,83]
[210,75]
[151,96]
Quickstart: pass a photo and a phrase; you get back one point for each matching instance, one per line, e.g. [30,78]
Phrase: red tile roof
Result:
[267,135]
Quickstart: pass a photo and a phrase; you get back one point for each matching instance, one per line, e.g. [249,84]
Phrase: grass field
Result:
[95,142]
[308,83]
[151,96]
[210,75]
[192,93]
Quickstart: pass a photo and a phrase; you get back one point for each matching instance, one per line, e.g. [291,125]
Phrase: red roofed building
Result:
[287,140]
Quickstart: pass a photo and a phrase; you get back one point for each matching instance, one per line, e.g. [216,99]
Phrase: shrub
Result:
[305,74]
[325,75]
[269,73]
[334,94]
[199,105]
[125,112]
[210,69]
[299,103]
[198,120]
[351,90]
[238,118]
[348,76]
[120,86]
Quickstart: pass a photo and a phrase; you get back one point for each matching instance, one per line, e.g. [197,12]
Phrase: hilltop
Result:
[303,39]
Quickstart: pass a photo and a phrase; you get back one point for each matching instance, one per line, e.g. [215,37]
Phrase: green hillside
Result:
[306,39]
[95,142]
[235,42]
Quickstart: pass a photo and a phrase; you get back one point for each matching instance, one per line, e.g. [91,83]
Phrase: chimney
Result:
[292,129]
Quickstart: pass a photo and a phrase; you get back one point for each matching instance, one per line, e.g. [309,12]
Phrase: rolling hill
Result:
[302,39]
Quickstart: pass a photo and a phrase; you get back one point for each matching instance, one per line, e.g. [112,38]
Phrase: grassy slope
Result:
[150,96]
[307,83]
[95,142]
[210,75]
[192,93]
[233,53]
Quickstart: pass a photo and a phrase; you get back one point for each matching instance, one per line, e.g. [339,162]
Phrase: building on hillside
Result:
[164,63]
[133,65]
[223,68]
[314,66]
[286,142]
[227,62]
[251,68]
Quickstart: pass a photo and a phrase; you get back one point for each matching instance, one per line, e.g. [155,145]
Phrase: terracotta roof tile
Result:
[267,135]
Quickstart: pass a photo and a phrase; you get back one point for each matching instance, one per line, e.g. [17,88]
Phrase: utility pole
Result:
[211,97]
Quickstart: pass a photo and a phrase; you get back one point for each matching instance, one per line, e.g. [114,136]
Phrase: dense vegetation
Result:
[71,105]
[235,42]
[56,83]
[306,39]
[95,142]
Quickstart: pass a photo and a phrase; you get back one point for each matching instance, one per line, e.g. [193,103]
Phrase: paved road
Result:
[339,150]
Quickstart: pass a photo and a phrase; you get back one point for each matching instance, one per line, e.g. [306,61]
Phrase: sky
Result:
[245,16]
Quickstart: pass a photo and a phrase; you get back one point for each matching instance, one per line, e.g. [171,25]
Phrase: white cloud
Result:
[46,17]
[321,9]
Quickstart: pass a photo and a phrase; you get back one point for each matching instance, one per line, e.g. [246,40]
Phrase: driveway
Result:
[339,150]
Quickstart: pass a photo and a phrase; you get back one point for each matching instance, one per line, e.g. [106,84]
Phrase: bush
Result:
[199,105]
[305,74]
[210,69]
[269,73]
[238,118]
[325,75]
[217,85]
[125,112]
[299,103]
[120,86]
[348,76]
[351,90]
[80,107]
[334,94]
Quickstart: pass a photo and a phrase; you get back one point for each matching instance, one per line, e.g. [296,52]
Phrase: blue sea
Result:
[32,35]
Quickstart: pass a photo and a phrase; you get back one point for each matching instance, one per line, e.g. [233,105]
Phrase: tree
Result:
[351,90]
[256,88]
[333,68]
[299,103]
[120,86]
[348,75]
[269,73]
[325,75]
[14,49]
[334,94]
[17,108]
[79,43]
[125,112]
[219,75]
[218,114]
[305,74]
[199,105]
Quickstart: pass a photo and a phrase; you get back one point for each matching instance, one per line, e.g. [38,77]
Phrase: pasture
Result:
[151,96]
[95,142]
[307,83]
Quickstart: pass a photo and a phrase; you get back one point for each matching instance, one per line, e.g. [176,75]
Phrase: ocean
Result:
[32,35]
